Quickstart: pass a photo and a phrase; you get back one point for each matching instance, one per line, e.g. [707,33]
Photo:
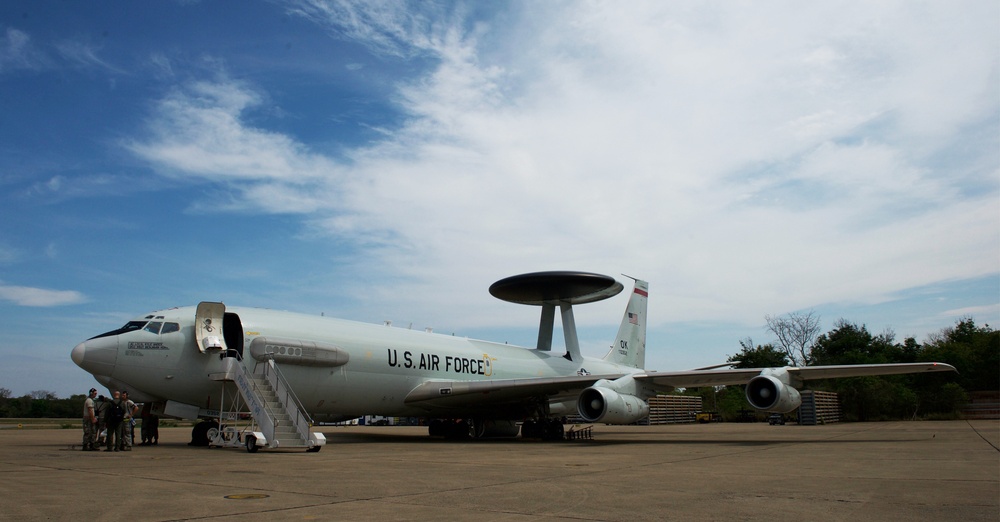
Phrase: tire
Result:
[199,434]
[558,430]
[251,443]
[212,433]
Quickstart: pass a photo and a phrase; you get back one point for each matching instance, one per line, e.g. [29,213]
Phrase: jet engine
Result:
[769,393]
[599,404]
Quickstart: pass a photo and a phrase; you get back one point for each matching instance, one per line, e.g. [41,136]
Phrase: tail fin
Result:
[629,348]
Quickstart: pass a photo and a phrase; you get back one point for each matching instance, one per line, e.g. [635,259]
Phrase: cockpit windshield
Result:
[153,327]
[130,326]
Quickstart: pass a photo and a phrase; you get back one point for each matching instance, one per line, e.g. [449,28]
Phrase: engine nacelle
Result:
[599,404]
[768,393]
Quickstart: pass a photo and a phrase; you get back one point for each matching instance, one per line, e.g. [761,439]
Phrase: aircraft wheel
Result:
[554,430]
[461,430]
[477,428]
[212,433]
[251,443]
[436,428]
[529,429]
[199,434]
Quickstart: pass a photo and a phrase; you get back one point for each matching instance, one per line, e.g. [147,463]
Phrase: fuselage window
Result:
[153,327]
[170,327]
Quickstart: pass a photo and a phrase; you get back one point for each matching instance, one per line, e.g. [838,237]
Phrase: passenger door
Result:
[208,326]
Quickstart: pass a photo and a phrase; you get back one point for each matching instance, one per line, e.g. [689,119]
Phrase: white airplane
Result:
[189,361]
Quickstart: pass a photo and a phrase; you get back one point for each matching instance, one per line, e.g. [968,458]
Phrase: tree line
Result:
[973,350]
[40,404]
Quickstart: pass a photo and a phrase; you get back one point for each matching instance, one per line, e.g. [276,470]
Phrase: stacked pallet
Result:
[819,407]
[673,409]
[982,406]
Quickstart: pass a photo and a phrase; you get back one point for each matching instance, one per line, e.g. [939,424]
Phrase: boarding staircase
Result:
[279,417]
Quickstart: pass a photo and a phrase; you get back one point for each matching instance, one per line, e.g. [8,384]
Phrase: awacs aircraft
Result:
[188,361]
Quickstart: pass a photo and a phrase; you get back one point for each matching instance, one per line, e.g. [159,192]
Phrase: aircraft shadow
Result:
[334,438]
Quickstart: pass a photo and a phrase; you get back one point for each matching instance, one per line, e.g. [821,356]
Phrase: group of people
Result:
[111,422]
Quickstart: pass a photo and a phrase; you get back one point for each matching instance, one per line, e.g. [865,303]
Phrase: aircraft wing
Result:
[441,394]
[698,378]
[458,394]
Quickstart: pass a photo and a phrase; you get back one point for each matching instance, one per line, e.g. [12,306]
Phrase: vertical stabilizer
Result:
[629,348]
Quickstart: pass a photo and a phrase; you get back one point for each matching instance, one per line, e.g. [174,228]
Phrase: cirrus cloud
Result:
[39,297]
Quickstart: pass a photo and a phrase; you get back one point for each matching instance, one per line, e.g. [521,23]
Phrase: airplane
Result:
[187,361]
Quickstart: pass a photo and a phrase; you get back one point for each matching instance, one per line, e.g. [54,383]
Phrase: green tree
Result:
[973,350]
[760,356]
[845,344]
[868,398]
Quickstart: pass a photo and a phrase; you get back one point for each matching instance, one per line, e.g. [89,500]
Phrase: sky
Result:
[390,160]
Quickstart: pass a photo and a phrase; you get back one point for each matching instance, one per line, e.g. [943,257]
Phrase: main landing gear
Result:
[203,433]
[466,429]
[545,429]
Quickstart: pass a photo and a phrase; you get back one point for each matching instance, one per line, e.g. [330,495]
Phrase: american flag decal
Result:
[633,318]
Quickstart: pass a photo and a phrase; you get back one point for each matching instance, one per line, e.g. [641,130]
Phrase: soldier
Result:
[154,429]
[128,424]
[150,425]
[116,412]
[101,407]
[89,421]
[145,423]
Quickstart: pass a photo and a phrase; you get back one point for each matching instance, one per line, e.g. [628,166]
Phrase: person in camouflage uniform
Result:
[101,407]
[128,424]
[114,439]
[89,421]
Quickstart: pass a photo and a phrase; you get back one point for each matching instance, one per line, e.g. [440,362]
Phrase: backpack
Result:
[115,413]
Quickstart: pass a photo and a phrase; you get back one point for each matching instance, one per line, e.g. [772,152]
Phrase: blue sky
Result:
[389,161]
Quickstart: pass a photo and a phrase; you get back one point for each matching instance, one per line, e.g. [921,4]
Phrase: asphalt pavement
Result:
[947,470]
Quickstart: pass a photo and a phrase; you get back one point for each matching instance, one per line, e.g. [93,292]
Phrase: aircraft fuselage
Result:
[159,359]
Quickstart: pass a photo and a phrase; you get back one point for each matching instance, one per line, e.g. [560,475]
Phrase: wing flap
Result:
[808,373]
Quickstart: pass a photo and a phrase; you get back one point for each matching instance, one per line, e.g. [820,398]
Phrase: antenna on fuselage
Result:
[551,289]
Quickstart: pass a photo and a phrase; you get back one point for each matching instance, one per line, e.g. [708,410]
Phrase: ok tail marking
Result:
[629,348]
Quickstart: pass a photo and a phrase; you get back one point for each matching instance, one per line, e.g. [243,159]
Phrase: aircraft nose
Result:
[97,356]
[77,354]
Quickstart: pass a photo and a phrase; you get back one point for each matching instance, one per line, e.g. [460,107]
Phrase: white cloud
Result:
[746,160]
[991,310]
[83,54]
[199,133]
[18,52]
[41,297]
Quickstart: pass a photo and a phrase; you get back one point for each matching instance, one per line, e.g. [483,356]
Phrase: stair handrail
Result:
[253,394]
[301,420]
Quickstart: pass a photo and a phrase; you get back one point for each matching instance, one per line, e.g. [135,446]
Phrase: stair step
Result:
[285,433]
[290,442]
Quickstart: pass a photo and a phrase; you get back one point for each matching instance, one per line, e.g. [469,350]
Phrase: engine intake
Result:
[598,404]
[768,393]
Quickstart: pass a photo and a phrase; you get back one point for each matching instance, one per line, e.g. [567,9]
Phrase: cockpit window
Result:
[153,327]
[130,326]
[170,327]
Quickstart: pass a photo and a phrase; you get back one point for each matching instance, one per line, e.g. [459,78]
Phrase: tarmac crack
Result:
[981,435]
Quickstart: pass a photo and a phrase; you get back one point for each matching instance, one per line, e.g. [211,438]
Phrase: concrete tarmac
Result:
[865,471]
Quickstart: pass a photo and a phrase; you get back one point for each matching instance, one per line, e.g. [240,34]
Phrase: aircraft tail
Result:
[629,348]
